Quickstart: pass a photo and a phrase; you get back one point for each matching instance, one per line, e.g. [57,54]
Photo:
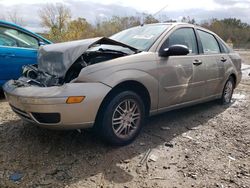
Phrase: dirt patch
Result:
[201,146]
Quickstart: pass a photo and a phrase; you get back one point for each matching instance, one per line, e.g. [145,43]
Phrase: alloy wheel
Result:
[126,118]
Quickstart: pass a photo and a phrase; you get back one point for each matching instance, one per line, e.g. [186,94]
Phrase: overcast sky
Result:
[175,9]
[153,6]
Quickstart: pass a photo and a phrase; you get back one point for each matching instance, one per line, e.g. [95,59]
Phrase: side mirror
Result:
[174,50]
[41,43]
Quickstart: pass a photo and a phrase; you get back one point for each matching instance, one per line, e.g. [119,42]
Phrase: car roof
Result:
[174,24]
[170,23]
[2,22]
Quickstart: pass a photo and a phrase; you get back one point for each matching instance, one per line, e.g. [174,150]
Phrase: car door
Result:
[214,63]
[16,49]
[181,77]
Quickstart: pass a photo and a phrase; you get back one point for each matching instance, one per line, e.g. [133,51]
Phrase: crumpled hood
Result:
[56,59]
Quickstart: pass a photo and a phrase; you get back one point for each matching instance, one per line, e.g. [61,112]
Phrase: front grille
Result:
[47,117]
[21,113]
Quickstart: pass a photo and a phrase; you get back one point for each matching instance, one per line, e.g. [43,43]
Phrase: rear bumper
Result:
[47,107]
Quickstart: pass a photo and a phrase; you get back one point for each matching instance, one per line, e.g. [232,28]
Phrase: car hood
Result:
[56,59]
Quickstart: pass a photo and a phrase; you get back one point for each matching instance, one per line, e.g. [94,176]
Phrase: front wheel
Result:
[228,91]
[123,118]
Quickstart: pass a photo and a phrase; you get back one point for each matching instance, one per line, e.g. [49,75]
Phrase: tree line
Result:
[57,18]
[231,30]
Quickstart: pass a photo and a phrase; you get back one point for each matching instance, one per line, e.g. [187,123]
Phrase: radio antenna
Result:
[153,14]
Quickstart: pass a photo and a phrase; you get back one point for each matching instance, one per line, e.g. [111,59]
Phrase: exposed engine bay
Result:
[40,78]
[61,63]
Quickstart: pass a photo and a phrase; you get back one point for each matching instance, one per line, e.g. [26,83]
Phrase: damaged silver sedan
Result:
[113,84]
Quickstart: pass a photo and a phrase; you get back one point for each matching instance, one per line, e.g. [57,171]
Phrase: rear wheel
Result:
[123,118]
[228,91]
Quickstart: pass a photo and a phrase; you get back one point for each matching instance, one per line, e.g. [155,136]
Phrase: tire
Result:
[227,91]
[122,118]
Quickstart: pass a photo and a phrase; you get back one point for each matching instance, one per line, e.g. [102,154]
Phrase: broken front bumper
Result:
[47,107]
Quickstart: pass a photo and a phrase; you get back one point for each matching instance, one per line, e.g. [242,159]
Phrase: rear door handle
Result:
[223,59]
[197,62]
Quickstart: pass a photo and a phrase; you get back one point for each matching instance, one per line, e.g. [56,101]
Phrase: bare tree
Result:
[15,17]
[55,16]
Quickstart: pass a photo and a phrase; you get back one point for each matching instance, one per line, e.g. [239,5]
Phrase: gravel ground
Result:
[201,146]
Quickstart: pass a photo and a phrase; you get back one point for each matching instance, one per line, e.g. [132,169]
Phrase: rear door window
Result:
[209,43]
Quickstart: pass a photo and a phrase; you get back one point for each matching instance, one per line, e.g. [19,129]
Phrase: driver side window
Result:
[15,38]
[7,41]
[183,36]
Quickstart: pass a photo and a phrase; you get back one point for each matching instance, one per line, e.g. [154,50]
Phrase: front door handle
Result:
[197,62]
[223,59]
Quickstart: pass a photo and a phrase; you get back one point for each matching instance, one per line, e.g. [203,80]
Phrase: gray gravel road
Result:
[201,146]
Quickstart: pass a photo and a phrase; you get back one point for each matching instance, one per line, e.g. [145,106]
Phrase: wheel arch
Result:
[129,85]
[234,78]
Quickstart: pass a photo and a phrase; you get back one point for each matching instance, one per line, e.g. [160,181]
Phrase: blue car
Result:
[18,47]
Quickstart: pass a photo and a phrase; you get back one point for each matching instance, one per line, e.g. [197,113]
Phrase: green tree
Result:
[79,29]
[116,24]
[148,19]
[231,29]
[188,20]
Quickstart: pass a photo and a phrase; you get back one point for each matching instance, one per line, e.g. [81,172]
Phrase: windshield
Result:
[141,37]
